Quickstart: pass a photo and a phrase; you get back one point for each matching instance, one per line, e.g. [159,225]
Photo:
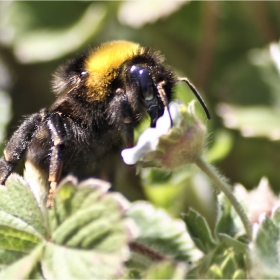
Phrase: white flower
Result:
[149,139]
[169,145]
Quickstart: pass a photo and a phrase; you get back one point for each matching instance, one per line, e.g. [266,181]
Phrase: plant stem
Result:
[148,252]
[221,183]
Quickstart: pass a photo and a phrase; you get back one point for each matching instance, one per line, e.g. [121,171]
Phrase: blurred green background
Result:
[229,50]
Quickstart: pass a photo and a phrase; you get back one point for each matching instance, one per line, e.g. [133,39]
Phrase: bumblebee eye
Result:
[144,83]
[83,74]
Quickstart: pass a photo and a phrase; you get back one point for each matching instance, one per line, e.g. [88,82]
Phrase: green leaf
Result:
[252,121]
[89,238]
[199,231]
[60,262]
[90,233]
[15,240]
[229,266]
[220,263]
[91,189]
[22,226]
[276,217]
[160,235]
[238,246]
[222,144]
[44,45]
[17,200]
[265,251]
[69,201]
[228,222]
[203,267]
[239,274]
[7,257]
[62,205]
[132,274]
[5,108]
[166,270]
[215,272]
[25,268]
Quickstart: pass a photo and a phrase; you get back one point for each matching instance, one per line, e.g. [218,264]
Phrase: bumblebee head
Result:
[122,76]
[142,82]
[148,83]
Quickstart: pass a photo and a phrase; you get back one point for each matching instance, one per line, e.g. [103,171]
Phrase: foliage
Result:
[230,51]
[84,236]
[93,233]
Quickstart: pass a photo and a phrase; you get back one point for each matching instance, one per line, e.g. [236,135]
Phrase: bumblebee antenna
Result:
[197,95]
[163,98]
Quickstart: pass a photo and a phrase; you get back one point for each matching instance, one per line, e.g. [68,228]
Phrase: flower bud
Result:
[170,146]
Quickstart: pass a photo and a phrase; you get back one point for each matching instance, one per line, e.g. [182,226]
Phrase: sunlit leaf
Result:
[160,236]
[265,251]
[238,246]
[136,14]
[199,231]
[17,200]
[22,225]
[90,233]
[257,121]
[222,144]
[60,262]
[25,268]
[45,45]
[5,105]
[228,221]
[167,270]
[276,217]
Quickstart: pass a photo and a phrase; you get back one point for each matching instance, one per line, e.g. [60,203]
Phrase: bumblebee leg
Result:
[17,145]
[127,118]
[57,131]
[5,169]
[122,117]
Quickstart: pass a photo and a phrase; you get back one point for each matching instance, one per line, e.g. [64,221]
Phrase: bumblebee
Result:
[101,97]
